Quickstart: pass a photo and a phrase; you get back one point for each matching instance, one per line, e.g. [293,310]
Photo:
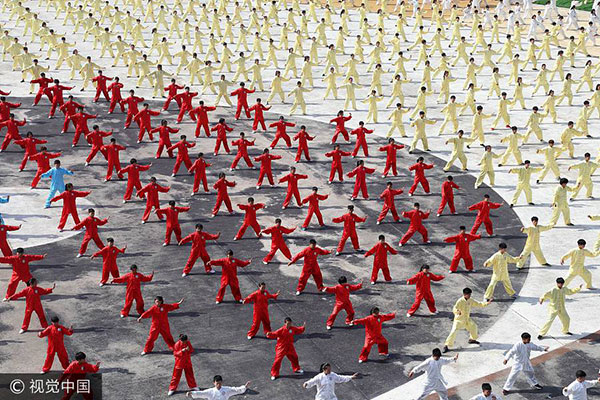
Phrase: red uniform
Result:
[461,251]
[336,163]
[80,120]
[265,167]
[222,129]
[160,325]
[201,115]
[310,267]
[380,261]
[29,145]
[313,208]
[5,108]
[285,347]
[185,104]
[388,203]
[112,155]
[143,120]
[373,334]
[43,165]
[419,169]
[57,97]
[12,131]
[91,225]
[133,178]
[249,219]
[229,277]
[222,196]
[133,291]
[416,225]
[423,281]
[116,97]
[448,197]
[109,261]
[20,270]
[292,188]
[183,363]
[261,311]
[172,214]
[303,138]
[342,301]
[242,101]
[340,128]
[132,108]
[360,183]
[182,154]
[483,216]
[277,241]
[101,88]
[281,133]
[152,189]
[164,140]
[198,240]
[361,140]
[172,95]
[42,90]
[349,220]
[74,373]
[242,145]
[198,168]
[96,139]
[4,246]
[391,150]
[56,345]
[32,303]
[68,198]
[259,117]
[69,109]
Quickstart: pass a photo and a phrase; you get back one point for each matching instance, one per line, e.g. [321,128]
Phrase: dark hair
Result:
[486,386]
[525,335]
[467,290]
[342,279]
[436,352]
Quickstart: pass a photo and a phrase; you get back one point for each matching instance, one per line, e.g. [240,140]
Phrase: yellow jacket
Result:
[499,263]
[462,309]
[533,234]
[556,297]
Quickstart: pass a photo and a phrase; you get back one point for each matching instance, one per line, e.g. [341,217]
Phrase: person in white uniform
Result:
[486,393]
[521,352]
[219,392]
[325,382]
[434,381]
[577,390]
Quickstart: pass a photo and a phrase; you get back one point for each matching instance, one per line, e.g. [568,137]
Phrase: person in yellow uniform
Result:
[449,111]
[518,94]
[551,153]
[158,77]
[533,126]
[420,134]
[557,308]
[495,84]
[87,72]
[523,182]
[397,93]
[471,73]
[350,87]
[130,57]
[532,244]
[560,204]
[257,71]
[299,101]
[222,90]
[351,70]
[62,50]
[582,118]
[75,61]
[445,88]
[597,244]
[462,318]
[194,67]
[458,152]
[372,100]
[566,138]
[421,101]
[541,80]
[399,65]
[502,113]
[550,106]
[487,166]
[585,169]
[396,118]
[499,264]
[567,90]
[469,100]
[144,71]
[577,266]
[477,125]
[512,147]
[376,79]
[586,77]
[276,87]
[330,79]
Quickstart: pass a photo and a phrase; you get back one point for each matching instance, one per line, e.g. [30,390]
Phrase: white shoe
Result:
[87,164]
[143,222]
[184,275]
[436,312]
[217,302]
[328,327]
[408,315]
[122,316]
[164,244]
[400,245]
[410,194]
[378,222]
[170,393]
[101,284]
[299,372]
[212,271]
[4,299]
[297,293]
[79,255]
[439,215]
[172,174]
[257,187]
[428,242]
[360,361]
[372,282]
[273,378]
[266,263]
[124,201]
[143,353]
[249,337]
[22,331]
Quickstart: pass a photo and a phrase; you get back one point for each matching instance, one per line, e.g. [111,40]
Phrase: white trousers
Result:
[514,373]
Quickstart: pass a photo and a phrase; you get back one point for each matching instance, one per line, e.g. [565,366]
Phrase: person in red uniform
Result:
[28,143]
[69,108]
[260,315]
[57,96]
[5,108]
[416,217]
[292,188]
[281,132]
[349,220]
[133,292]
[43,164]
[182,154]
[43,83]
[109,254]
[277,242]
[172,94]
[186,103]
[242,100]
[242,145]
[249,218]
[360,184]
[265,160]
[143,119]
[391,150]
[423,282]
[182,351]
[462,240]
[112,156]
[95,137]
[380,261]
[222,196]
[33,303]
[340,122]
[91,224]
[310,266]
[285,346]
[483,214]
[388,196]
[4,246]
[200,113]
[373,335]
[20,269]
[133,178]
[159,313]
[172,215]
[361,139]
[76,372]
[419,167]
[80,120]
[68,197]
[101,87]
[259,118]
[152,189]
[303,138]
[164,139]
[336,163]
[198,168]
[342,300]
[115,96]
[313,207]
[221,128]
[12,130]
[448,195]
[56,346]
[229,277]
[132,107]
[198,239]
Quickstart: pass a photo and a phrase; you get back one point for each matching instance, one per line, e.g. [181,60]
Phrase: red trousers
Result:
[168,101]
[13,284]
[235,290]
[37,177]
[197,179]
[39,95]
[40,313]
[291,355]
[109,269]
[302,149]
[163,145]
[145,128]
[238,111]
[260,121]
[148,210]
[200,125]
[129,119]
[66,124]
[375,273]
[411,231]
[315,273]
[337,133]
[87,239]
[254,225]
[179,161]
[5,249]
[362,187]
[423,181]
[170,230]
[336,310]
[55,104]
[449,201]
[418,298]
[218,145]
[345,236]
[189,377]
[130,186]
[63,357]
[24,161]
[456,260]
[339,170]
[139,304]
[316,212]
[65,214]
[257,319]
[361,144]
[390,165]
[182,110]
[382,347]
[285,137]
[288,198]
[237,159]
[222,199]
[116,165]
[203,255]
[165,332]
[93,152]
[489,228]
[281,247]
[261,177]
[384,212]
[103,92]
[113,104]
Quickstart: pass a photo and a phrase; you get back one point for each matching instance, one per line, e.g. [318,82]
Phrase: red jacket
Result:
[172,89]
[423,282]
[349,220]
[12,128]
[373,324]
[109,255]
[160,314]
[339,123]
[134,171]
[182,148]
[91,225]
[43,159]
[201,113]
[55,334]
[292,180]
[361,173]
[70,107]
[163,133]
[143,117]
[419,169]
[276,233]
[20,264]
[242,145]
[7,228]
[68,197]
[391,149]
[198,240]
[313,200]
[152,190]
[115,90]
[388,196]
[261,301]
[29,144]
[221,185]
[172,214]
[133,281]
[310,257]
[112,151]
[95,137]
[132,102]
[79,370]
[186,99]
[183,359]
[32,296]
[447,189]
[222,130]
[285,338]
[380,250]
[101,81]
[250,210]
[43,82]
[5,107]
[303,138]
[483,208]
[342,293]
[265,161]
[242,94]
[361,134]
[80,120]
[200,166]
[462,241]
[336,156]
[281,127]
[258,109]
[57,92]
[229,266]
[416,217]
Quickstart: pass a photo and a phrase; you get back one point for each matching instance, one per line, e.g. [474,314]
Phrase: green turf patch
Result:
[567,4]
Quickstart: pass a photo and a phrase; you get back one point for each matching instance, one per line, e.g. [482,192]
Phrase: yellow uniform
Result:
[560,205]
[499,264]
[222,91]
[477,126]
[502,113]
[577,267]
[566,139]
[523,182]
[372,101]
[597,244]
[557,308]
[512,148]
[420,134]
[585,169]
[458,152]
[396,118]
[533,126]
[532,244]
[449,111]
[551,153]
[298,94]
[487,168]
[350,95]
[462,319]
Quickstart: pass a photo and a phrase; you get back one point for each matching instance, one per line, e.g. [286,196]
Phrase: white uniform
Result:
[521,353]
[578,390]
[434,381]
[490,397]
[326,384]
[218,394]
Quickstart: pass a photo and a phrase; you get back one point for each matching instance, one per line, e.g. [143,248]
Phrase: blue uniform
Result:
[58,183]
[3,200]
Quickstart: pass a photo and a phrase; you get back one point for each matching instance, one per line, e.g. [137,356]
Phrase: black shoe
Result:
[538,387]
[547,265]
[505,392]
[540,337]
[569,333]
[445,349]
[472,341]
